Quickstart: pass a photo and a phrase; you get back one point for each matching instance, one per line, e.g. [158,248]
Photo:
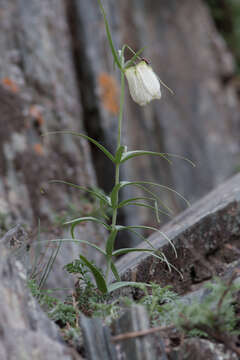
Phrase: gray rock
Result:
[26,333]
[15,238]
[38,93]
[201,235]
[198,349]
[201,121]
[136,320]
[55,75]
[97,340]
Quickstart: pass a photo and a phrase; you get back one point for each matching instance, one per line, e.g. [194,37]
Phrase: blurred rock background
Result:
[56,73]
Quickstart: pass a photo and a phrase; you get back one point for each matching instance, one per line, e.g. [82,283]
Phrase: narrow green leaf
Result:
[101,284]
[123,50]
[45,270]
[142,205]
[125,183]
[157,199]
[77,221]
[93,141]
[169,265]
[168,88]
[154,198]
[127,201]
[160,257]
[95,193]
[127,250]
[155,208]
[115,272]
[163,259]
[49,266]
[114,52]
[134,58]
[119,154]
[128,228]
[118,285]
[72,230]
[131,154]
[110,242]
[87,218]
[156,211]
[144,188]
[181,158]
[74,241]
[157,230]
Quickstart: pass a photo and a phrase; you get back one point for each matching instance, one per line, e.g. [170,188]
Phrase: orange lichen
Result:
[109,92]
[38,148]
[36,114]
[10,85]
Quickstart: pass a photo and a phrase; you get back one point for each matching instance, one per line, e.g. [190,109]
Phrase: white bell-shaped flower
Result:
[143,83]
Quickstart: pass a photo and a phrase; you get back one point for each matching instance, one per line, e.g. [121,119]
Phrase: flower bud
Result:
[144,85]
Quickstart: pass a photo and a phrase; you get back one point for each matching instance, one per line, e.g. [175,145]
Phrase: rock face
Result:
[38,93]
[132,338]
[205,236]
[55,75]
[201,121]
[198,349]
[25,331]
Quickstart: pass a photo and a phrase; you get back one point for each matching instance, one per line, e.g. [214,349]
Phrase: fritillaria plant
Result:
[144,86]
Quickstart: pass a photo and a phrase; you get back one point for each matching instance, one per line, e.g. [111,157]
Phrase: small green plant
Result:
[56,309]
[64,313]
[144,87]
[215,312]
[92,302]
[214,315]
[86,292]
[159,302]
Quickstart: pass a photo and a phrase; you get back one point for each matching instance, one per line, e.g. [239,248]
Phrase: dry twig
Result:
[133,334]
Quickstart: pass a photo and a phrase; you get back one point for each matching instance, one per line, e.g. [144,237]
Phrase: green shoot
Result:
[112,202]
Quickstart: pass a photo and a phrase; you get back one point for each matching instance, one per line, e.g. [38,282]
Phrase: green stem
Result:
[120,117]
[117,169]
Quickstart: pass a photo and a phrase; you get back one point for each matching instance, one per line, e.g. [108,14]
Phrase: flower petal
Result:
[149,80]
[144,85]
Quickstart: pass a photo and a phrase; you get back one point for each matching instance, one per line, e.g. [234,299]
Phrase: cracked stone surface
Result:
[26,333]
[201,235]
